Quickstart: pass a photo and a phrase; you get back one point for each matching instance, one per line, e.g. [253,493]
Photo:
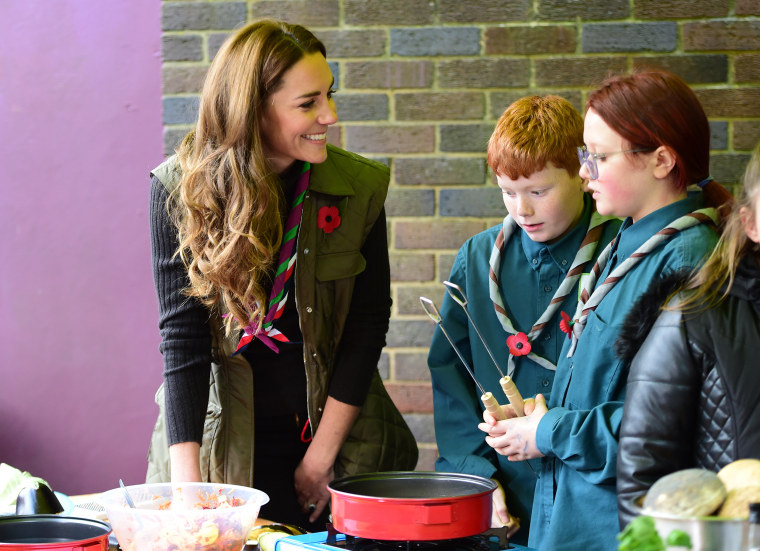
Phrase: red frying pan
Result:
[411,505]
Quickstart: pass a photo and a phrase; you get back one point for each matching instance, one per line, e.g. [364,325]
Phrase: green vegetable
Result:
[678,538]
[640,535]
[12,481]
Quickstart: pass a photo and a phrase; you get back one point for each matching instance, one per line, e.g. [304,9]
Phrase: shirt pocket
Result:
[333,266]
[596,367]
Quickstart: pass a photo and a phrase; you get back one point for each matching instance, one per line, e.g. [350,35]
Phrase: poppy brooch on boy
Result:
[518,344]
[566,324]
[328,219]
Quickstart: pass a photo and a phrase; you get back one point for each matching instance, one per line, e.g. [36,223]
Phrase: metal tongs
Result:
[488,399]
[506,382]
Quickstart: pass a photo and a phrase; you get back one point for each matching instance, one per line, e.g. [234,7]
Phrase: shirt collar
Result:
[562,252]
[631,236]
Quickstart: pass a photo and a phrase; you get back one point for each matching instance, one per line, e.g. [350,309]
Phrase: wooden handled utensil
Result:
[488,399]
[506,382]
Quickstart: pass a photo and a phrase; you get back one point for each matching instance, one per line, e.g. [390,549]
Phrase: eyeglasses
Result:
[589,159]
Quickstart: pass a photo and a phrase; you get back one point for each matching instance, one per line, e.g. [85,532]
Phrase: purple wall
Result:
[80,127]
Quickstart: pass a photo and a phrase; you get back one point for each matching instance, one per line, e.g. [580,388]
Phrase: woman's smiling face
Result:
[298,114]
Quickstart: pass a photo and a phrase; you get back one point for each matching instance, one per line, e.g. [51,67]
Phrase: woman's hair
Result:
[719,269]
[650,108]
[227,204]
[534,131]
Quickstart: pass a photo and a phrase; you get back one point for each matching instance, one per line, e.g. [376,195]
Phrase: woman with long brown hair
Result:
[271,267]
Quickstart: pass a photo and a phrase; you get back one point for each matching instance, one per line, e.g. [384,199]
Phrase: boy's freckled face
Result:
[546,205]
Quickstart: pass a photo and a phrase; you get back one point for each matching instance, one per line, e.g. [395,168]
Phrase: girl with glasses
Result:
[647,140]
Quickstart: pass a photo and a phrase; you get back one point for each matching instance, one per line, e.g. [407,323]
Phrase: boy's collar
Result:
[562,251]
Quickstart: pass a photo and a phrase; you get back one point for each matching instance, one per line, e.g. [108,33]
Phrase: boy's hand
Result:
[516,437]
[500,515]
[508,410]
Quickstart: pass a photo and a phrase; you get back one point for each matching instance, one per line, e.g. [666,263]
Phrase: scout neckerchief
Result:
[267,333]
[583,256]
[591,297]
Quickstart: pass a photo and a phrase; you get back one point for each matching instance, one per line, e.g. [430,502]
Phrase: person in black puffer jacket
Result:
[693,397]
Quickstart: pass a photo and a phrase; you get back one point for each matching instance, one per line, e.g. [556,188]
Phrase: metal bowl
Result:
[706,533]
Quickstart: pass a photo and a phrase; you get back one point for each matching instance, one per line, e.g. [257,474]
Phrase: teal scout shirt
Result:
[575,503]
[530,274]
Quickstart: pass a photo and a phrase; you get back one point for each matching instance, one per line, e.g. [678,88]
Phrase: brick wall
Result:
[421,84]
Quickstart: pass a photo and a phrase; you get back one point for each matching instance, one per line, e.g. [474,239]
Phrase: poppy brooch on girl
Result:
[518,344]
[566,324]
[328,219]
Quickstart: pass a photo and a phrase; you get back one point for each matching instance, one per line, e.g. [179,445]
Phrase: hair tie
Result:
[704,182]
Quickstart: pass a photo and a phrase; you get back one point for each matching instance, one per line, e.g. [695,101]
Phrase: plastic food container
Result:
[214,516]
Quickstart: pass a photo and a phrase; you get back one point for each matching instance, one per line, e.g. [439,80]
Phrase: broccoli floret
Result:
[640,535]
[678,538]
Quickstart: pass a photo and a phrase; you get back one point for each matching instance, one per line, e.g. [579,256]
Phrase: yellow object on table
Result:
[265,534]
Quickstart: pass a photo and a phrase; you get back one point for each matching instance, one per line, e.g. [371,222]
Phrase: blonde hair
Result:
[719,270]
[227,204]
[534,131]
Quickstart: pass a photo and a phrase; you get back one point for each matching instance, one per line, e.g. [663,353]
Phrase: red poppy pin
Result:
[328,219]
[566,324]
[518,344]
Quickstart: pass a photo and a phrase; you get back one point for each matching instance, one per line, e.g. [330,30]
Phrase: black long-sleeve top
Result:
[280,381]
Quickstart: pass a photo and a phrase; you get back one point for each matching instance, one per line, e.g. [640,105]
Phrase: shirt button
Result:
[547,288]
[535,261]
[545,383]
[314,355]
[306,251]
[547,337]
[564,262]
[308,309]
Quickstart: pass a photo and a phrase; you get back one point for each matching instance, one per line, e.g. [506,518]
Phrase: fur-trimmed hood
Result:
[644,312]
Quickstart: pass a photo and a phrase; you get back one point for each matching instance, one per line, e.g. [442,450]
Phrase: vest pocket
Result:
[332,266]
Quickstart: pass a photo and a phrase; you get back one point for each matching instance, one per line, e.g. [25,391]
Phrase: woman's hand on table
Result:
[311,481]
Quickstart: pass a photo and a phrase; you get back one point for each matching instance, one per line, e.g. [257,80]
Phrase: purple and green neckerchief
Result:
[267,333]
